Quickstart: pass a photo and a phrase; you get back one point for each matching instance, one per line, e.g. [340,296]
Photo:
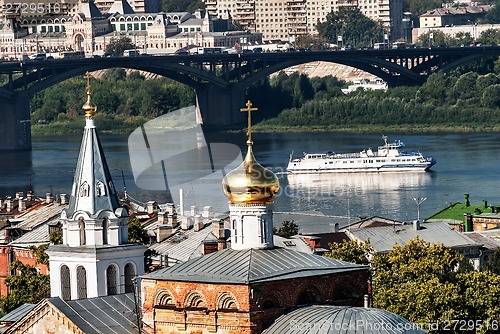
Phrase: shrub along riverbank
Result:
[461,101]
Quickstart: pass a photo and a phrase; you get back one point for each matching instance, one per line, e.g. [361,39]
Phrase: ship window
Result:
[331,162]
[352,161]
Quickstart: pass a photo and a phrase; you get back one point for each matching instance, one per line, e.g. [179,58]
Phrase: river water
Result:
[466,163]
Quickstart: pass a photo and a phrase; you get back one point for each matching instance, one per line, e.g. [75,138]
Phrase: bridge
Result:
[219,80]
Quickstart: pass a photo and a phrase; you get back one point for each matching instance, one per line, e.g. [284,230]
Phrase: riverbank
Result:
[120,126]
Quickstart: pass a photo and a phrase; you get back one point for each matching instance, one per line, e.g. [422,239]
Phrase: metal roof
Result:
[327,319]
[252,266]
[38,214]
[109,314]
[383,238]
[485,240]
[18,313]
[310,222]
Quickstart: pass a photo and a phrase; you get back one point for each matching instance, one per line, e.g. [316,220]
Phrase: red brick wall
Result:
[27,258]
[4,269]
[481,224]
[339,289]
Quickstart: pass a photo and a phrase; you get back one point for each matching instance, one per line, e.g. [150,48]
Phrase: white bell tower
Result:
[95,259]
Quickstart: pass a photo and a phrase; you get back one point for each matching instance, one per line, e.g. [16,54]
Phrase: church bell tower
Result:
[95,258]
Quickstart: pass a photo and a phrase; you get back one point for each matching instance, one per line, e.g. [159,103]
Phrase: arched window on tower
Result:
[65,283]
[100,189]
[129,277]
[84,189]
[235,231]
[81,281]
[81,227]
[111,282]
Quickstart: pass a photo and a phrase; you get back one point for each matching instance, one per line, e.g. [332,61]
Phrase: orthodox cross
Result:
[249,110]
[88,76]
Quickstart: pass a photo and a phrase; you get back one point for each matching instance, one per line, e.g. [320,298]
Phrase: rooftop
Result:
[383,238]
[252,266]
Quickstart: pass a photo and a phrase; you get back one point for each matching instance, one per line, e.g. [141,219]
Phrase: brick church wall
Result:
[257,304]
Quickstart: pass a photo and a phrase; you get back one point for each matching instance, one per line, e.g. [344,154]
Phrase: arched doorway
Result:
[79,42]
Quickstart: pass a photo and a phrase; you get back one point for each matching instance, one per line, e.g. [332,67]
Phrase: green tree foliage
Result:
[493,16]
[136,233]
[56,237]
[418,7]
[355,28]
[491,96]
[123,101]
[39,254]
[493,263]
[117,45]
[287,229]
[26,285]
[420,282]
[438,38]
[351,251]
[182,5]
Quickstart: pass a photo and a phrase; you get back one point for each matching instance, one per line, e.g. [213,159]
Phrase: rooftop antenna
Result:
[124,186]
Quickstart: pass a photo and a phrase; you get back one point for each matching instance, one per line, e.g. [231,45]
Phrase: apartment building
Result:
[286,19]
[139,6]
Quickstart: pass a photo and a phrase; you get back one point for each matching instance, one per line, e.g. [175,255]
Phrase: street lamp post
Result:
[419,200]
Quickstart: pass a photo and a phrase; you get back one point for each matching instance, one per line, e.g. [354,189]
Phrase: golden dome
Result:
[250,183]
[89,107]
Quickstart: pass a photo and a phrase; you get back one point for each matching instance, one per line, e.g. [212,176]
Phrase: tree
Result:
[418,7]
[351,251]
[39,254]
[287,229]
[438,38]
[56,237]
[491,96]
[493,263]
[355,28]
[182,5]
[26,285]
[117,45]
[136,233]
[421,282]
[493,15]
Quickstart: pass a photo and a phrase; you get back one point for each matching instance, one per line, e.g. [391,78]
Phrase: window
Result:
[129,277]
[111,280]
[65,283]
[81,281]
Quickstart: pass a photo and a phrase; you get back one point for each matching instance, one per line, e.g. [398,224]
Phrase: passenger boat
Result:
[391,157]
[365,85]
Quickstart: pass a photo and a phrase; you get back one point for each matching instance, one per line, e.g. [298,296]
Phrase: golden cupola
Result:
[250,183]
[89,107]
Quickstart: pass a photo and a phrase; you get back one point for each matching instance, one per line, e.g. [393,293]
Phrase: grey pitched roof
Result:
[18,313]
[91,151]
[252,266]
[38,236]
[327,319]
[383,238]
[122,7]
[109,314]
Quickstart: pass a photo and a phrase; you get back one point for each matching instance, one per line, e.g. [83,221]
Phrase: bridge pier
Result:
[15,125]
[218,106]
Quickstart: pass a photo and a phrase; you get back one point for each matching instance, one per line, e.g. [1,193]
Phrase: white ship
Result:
[391,157]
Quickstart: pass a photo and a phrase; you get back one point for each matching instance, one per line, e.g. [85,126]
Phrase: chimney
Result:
[198,223]
[194,210]
[64,199]
[22,204]
[19,195]
[1,204]
[466,200]
[163,232]
[30,196]
[151,207]
[416,225]
[186,223]
[172,220]
[9,204]
[48,198]
[336,228]
[485,204]
[210,246]
[366,302]
[469,225]
[161,218]
[170,209]
[208,212]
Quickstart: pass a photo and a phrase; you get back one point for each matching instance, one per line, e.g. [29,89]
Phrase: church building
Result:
[244,288]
